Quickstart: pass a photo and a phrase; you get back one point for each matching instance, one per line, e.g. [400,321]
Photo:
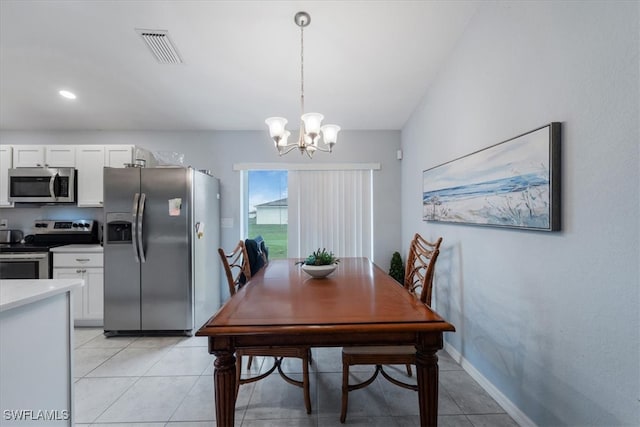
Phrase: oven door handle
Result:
[23,256]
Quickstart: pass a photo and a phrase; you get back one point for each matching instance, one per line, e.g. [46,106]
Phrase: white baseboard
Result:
[511,409]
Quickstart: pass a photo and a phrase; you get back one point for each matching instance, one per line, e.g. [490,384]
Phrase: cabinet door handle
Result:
[82,259]
[78,271]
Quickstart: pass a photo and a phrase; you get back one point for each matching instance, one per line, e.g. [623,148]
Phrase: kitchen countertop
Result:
[19,292]
[78,248]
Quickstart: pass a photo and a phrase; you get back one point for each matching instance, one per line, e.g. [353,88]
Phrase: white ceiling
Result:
[367,63]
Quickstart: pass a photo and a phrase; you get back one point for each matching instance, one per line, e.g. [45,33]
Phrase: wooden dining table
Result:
[357,304]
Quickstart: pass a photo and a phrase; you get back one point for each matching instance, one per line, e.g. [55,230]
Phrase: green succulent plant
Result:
[320,257]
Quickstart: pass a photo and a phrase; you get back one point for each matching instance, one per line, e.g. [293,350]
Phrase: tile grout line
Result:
[455,402]
[102,363]
[184,397]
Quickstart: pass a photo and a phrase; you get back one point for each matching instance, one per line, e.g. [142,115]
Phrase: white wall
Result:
[218,151]
[550,319]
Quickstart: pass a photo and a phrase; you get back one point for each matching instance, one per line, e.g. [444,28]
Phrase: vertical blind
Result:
[331,209]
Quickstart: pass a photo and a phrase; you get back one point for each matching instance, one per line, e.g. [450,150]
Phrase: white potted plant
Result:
[319,264]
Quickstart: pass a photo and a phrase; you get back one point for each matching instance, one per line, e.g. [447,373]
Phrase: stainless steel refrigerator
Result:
[161,235]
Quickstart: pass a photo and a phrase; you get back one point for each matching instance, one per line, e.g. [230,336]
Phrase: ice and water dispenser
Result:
[119,228]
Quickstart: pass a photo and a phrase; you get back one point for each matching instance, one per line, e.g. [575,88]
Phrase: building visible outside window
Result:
[268,209]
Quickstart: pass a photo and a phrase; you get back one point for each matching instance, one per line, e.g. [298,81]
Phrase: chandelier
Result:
[311,130]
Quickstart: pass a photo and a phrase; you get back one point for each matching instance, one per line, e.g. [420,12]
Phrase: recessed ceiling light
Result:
[67,94]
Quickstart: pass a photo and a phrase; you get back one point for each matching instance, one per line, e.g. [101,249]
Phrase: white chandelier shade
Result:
[312,132]
[276,126]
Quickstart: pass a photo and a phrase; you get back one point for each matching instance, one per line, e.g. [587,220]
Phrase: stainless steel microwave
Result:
[42,185]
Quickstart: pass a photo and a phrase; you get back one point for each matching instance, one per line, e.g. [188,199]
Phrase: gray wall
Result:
[550,319]
[218,151]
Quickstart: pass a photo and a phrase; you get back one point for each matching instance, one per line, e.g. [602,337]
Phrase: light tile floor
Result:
[167,381]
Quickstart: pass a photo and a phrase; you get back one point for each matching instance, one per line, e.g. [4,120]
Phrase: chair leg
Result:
[305,384]
[408,369]
[238,373]
[345,389]
[251,361]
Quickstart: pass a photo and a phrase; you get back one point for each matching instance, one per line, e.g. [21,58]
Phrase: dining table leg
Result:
[224,383]
[427,375]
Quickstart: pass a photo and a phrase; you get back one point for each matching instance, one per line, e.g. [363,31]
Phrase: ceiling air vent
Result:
[160,45]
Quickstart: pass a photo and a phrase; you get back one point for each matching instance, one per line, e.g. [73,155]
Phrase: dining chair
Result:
[238,273]
[419,273]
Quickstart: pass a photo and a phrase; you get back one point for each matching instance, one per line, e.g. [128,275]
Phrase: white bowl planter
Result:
[319,271]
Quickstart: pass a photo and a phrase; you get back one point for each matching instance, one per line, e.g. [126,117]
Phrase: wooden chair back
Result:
[421,267]
[236,266]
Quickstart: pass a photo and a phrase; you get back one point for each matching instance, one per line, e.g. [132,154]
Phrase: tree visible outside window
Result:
[268,209]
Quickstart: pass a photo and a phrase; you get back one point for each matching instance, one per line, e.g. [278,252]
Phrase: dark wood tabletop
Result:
[356,304]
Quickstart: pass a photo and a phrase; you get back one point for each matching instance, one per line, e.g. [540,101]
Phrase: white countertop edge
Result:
[19,292]
[78,248]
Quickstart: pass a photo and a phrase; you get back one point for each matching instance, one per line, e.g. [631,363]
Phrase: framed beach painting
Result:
[515,183]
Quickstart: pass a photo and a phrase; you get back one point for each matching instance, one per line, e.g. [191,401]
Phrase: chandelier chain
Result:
[302,69]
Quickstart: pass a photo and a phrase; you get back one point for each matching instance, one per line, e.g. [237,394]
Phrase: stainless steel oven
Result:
[32,259]
[25,265]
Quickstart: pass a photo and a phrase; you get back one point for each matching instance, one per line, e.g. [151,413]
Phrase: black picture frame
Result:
[512,184]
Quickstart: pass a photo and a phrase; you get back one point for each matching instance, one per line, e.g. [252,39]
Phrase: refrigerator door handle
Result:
[134,221]
[143,198]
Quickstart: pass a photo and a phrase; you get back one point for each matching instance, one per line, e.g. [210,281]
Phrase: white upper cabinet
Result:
[25,156]
[60,156]
[117,156]
[90,162]
[6,162]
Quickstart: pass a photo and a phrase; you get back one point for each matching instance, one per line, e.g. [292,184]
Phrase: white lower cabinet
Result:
[89,300]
